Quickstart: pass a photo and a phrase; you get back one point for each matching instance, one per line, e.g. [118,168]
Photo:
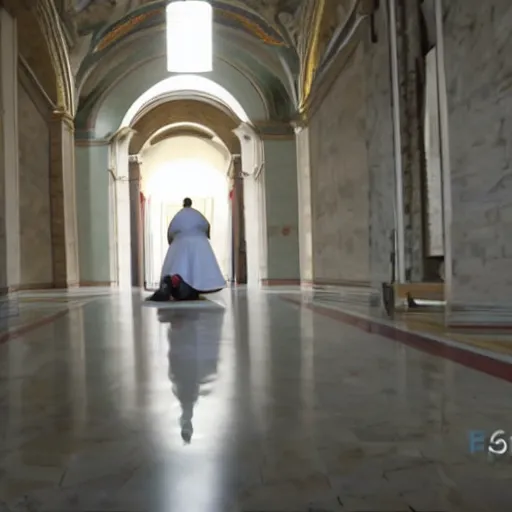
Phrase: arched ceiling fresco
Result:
[112,38]
[280,45]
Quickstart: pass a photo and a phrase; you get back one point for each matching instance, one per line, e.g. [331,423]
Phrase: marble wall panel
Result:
[34,190]
[282,211]
[340,179]
[478,67]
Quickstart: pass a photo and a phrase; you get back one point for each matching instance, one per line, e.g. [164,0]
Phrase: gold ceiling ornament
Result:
[310,57]
[50,24]
[251,27]
[123,29]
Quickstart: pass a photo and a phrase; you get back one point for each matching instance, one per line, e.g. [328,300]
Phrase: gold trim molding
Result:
[50,24]
[325,80]
[311,57]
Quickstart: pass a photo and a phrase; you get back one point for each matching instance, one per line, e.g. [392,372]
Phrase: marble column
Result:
[253,169]
[122,198]
[304,203]
[9,174]
[136,226]
[239,224]
[63,201]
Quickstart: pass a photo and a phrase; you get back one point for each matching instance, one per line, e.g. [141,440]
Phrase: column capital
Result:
[64,230]
[299,122]
[64,117]
[124,134]
[251,148]
[236,167]
[135,159]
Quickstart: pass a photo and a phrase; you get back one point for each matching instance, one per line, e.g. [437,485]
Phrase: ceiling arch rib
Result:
[247,89]
[191,112]
[182,131]
[130,46]
[182,128]
[184,85]
[237,48]
[101,118]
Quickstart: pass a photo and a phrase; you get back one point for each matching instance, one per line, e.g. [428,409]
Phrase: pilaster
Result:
[136,222]
[121,143]
[63,201]
[240,254]
[9,158]
[304,203]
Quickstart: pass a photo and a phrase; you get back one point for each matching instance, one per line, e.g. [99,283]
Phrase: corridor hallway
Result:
[247,403]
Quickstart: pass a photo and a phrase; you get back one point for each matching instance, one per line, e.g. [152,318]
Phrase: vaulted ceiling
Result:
[113,38]
[265,40]
[277,46]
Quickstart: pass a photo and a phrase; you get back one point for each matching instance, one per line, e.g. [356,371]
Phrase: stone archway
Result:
[185,111]
[186,116]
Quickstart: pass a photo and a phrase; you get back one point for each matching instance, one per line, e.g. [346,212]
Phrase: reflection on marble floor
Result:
[28,308]
[427,321]
[260,406]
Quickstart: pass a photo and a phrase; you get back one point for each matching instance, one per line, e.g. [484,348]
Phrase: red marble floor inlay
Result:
[485,364]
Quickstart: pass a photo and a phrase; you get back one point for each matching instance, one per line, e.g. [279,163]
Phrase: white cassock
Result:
[190,254]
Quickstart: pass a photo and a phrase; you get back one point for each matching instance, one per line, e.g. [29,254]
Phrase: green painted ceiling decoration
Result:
[281,45]
[242,39]
[154,14]
[262,39]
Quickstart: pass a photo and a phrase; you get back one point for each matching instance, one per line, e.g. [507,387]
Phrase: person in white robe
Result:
[190,255]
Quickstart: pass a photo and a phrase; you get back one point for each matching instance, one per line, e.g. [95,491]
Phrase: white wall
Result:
[281,206]
[95,241]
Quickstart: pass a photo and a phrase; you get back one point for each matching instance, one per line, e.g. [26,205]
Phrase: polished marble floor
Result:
[251,404]
[429,321]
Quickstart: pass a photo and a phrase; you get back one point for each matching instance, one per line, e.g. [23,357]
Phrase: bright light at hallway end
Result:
[189,36]
[177,179]
[166,186]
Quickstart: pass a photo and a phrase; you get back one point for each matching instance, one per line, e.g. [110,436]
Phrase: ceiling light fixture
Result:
[189,36]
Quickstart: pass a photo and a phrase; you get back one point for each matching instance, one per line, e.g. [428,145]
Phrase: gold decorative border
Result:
[120,31]
[50,24]
[325,80]
[311,57]
[251,27]
[129,26]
